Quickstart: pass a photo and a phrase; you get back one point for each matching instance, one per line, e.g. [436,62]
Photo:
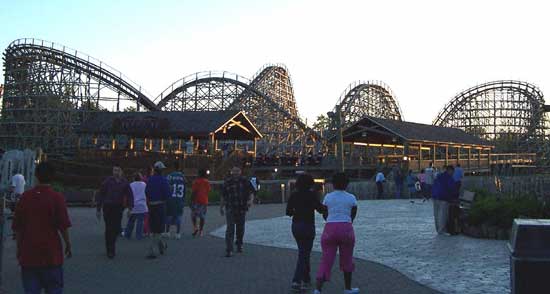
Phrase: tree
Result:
[130,109]
[322,124]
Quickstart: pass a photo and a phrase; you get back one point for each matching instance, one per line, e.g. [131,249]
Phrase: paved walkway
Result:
[401,235]
[194,265]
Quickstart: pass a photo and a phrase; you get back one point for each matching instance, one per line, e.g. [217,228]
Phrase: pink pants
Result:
[336,236]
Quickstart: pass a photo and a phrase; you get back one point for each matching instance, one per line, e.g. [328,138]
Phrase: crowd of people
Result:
[289,159]
[443,187]
[155,202]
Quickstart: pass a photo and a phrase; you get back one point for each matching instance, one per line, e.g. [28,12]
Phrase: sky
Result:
[426,51]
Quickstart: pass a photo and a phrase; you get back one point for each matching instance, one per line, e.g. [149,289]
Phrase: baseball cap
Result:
[159,165]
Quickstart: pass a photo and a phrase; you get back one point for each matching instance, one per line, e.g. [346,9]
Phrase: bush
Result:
[493,211]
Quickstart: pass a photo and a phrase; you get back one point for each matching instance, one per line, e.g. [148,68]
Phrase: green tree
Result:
[130,109]
[322,124]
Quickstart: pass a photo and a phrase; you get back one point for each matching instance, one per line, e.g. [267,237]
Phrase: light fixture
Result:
[275,170]
[405,158]
[207,171]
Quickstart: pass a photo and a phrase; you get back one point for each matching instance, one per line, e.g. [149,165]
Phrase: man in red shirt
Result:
[199,201]
[40,217]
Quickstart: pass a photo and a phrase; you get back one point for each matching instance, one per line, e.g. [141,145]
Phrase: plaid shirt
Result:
[236,193]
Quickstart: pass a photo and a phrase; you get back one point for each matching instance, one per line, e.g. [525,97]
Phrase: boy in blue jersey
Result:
[175,203]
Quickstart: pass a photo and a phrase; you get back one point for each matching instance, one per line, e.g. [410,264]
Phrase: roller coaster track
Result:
[366,98]
[36,50]
[509,113]
[268,100]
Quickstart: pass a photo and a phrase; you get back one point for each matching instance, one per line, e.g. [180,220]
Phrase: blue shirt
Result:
[458,174]
[176,180]
[157,188]
[175,203]
[444,188]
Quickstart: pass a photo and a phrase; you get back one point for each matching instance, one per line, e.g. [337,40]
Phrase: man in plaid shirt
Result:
[237,197]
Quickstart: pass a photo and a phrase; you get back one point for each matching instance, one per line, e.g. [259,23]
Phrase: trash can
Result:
[530,256]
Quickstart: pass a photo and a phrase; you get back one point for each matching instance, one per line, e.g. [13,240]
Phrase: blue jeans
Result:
[304,234]
[173,220]
[37,278]
[135,217]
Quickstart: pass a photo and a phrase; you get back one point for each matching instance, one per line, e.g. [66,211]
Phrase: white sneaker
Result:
[178,236]
[352,291]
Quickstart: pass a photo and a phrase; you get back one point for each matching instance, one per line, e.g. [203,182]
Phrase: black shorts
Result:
[157,215]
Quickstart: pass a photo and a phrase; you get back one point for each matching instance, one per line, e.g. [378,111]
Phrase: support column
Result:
[446,155]
[235,145]
[113,143]
[151,144]
[406,152]
[255,146]
[489,159]
[179,144]
[419,157]
[161,144]
[211,147]
[132,143]
[469,157]
[458,155]
[479,158]
[434,156]
[145,144]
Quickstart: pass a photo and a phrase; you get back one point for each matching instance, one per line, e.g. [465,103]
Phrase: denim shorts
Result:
[37,278]
[173,220]
[198,210]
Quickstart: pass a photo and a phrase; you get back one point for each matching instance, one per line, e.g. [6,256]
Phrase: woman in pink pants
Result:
[338,234]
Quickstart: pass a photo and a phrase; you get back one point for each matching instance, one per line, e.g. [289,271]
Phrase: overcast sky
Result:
[426,51]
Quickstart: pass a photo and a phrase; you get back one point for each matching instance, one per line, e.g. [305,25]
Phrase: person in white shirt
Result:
[17,188]
[430,175]
[338,234]
[137,214]
[380,179]
[18,184]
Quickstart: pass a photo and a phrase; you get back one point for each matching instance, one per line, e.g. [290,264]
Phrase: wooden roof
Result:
[230,124]
[386,131]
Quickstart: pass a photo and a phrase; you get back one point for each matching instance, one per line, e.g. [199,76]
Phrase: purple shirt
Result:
[114,191]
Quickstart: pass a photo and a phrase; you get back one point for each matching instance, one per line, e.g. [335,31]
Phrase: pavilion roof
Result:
[384,129]
[229,124]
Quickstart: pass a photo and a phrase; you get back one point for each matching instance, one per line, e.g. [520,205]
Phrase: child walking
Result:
[175,203]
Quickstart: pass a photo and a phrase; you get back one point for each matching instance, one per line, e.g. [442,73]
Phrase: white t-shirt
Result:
[140,202]
[339,204]
[18,183]
[380,177]
[430,175]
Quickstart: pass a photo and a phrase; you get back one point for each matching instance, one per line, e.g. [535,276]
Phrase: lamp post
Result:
[337,118]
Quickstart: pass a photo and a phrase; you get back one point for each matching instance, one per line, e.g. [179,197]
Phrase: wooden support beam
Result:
[211,147]
[469,157]
[419,157]
[446,155]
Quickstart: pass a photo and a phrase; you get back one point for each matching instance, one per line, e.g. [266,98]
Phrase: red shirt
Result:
[200,188]
[40,215]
